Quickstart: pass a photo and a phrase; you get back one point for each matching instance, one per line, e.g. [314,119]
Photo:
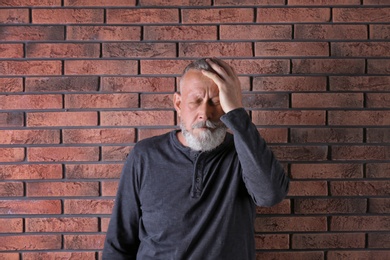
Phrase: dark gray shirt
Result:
[175,203]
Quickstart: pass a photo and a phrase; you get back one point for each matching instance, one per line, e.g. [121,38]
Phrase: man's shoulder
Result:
[153,142]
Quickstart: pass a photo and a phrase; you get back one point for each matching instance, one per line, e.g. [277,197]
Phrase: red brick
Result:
[11,84]
[379,240]
[378,66]
[290,224]
[367,254]
[163,66]
[327,100]
[104,222]
[274,135]
[103,33]
[11,207]
[11,225]
[150,132]
[266,15]
[101,135]
[9,119]
[379,205]
[11,189]
[218,15]
[84,241]
[62,119]
[351,15]
[30,102]
[180,33]
[29,3]
[67,16]
[334,240]
[308,188]
[109,188]
[136,118]
[8,16]
[62,189]
[360,188]
[378,170]
[291,49]
[359,117]
[156,100]
[174,2]
[101,101]
[260,66]
[30,67]
[30,242]
[378,100]
[56,154]
[249,2]
[62,50]
[12,154]
[61,224]
[136,16]
[379,31]
[215,49]
[359,83]
[84,206]
[300,153]
[360,49]
[360,223]
[375,2]
[11,51]
[59,84]
[326,171]
[326,135]
[253,101]
[58,255]
[32,33]
[281,117]
[361,152]
[138,84]
[330,206]
[272,241]
[115,153]
[139,49]
[289,83]
[29,136]
[281,255]
[99,3]
[92,171]
[283,207]
[328,66]
[378,135]
[330,32]
[30,171]
[255,32]
[98,67]
[324,2]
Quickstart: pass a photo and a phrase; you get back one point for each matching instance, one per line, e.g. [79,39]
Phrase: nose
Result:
[205,111]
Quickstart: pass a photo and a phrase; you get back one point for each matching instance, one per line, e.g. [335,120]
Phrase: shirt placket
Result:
[197,184]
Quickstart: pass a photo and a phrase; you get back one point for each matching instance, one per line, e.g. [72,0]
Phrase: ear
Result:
[177,102]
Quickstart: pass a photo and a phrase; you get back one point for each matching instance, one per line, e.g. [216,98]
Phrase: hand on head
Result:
[228,84]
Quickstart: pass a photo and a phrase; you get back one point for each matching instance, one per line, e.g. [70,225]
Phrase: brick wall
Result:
[82,81]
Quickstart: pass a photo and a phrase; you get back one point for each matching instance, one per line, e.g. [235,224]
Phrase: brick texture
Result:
[82,81]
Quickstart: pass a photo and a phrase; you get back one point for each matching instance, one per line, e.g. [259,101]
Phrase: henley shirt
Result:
[177,203]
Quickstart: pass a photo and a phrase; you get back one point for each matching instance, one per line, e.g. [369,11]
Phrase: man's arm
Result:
[263,175]
[122,236]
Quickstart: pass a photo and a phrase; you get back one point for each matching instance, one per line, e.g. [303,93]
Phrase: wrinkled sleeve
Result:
[264,177]
[122,235]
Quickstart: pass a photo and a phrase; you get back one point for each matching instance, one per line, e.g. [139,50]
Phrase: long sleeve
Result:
[263,175]
[122,236]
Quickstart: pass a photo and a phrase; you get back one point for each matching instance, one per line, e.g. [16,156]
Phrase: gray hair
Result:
[200,64]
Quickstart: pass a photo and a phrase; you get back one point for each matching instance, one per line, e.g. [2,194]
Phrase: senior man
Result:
[192,193]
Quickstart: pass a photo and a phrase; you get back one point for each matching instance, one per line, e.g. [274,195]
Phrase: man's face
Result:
[200,111]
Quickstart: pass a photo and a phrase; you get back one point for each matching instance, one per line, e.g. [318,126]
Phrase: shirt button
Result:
[197,179]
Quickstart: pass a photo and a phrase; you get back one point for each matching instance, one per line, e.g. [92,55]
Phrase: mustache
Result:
[208,124]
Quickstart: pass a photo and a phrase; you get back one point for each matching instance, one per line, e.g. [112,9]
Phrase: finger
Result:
[217,68]
[214,77]
[226,68]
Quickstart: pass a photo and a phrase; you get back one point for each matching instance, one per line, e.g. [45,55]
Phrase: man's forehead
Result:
[194,79]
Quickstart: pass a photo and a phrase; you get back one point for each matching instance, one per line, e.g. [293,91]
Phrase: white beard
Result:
[207,140]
